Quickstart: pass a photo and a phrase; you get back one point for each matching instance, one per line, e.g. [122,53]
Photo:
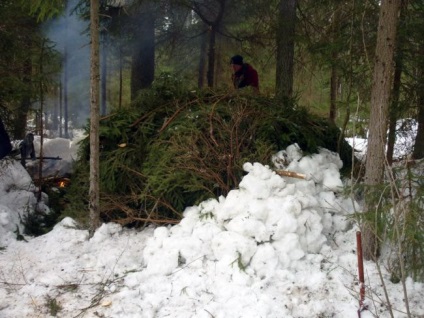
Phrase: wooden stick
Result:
[291,174]
[360,274]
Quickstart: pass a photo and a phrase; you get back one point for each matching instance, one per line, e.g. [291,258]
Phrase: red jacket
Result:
[246,76]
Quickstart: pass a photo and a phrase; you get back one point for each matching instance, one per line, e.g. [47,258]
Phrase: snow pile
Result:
[267,218]
[406,132]
[17,190]
[276,247]
[17,200]
[65,150]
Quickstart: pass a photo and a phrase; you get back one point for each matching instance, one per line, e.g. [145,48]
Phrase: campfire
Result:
[55,182]
[63,182]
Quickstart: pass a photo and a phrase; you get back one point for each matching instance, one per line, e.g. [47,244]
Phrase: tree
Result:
[202,60]
[44,9]
[20,121]
[211,13]
[94,192]
[418,58]
[143,58]
[419,140]
[380,99]
[104,70]
[18,36]
[395,109]
[335,42]
[285,48]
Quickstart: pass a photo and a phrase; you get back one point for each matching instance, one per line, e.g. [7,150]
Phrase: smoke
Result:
[70,35]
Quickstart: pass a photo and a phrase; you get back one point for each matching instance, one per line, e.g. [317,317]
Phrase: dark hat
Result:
[237,59]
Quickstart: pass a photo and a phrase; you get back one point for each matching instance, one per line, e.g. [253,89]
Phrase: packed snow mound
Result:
[17,200]
[59,154]
[282,221]
[17,189]
[276,247]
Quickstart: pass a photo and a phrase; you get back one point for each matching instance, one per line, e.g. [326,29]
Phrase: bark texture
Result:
[285,48]
[380,99]
[94,192]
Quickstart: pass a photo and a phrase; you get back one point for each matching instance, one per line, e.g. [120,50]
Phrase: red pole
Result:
[360,273]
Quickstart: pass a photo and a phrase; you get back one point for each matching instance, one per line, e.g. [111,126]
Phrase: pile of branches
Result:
[171,151]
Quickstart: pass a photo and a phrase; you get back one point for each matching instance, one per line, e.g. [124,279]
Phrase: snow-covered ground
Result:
[277,247]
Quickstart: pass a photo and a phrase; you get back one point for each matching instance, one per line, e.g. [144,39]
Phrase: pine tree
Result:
[380,99]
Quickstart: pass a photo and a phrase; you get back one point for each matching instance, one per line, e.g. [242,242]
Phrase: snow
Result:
[275,247]
[406,130]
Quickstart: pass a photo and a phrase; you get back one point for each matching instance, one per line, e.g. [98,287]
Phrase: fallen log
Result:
[291,174]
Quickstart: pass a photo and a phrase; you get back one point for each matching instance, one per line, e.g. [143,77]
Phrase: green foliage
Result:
[176,148]
[39,223]
[17,34]
[53,305]
[290,124]
[43,10]
[239,262]
[406,226]
[28,65]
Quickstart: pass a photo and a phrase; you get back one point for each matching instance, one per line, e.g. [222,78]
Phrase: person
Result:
[5,145]
[244,74]
[26,148]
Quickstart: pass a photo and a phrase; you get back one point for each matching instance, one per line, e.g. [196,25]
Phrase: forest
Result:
[174,131]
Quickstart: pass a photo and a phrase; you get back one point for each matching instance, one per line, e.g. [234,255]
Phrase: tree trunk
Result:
[333,91]
[121,80]
[94,191]
[394,105]
[143,60]
[380,98]
[285,48]
[211,56]
[56,105]
[418,152]
[22,113]
[41,124]
[65,93]
[212,20]
[104,74]
[218,66]
[60,109]
[202,60]
[391,138]
[334,79]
